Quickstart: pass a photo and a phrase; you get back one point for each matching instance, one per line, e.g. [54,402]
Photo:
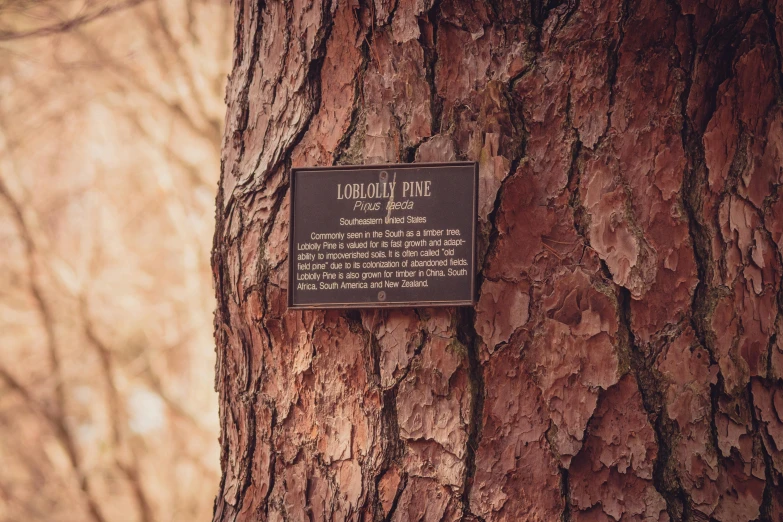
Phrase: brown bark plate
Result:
[383,236]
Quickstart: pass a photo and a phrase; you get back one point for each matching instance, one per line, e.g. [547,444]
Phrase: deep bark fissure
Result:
[760,446]
[270,405]
[515,110]
[565,492]
[466,334]
[579,213]
[247,457]
[613,61]
[372,368]
[392,12]
[694,185]
[391,429]
[665,477]
[466,319]
[425,337]
[773,339]
[770,19]
[705,296]
[345,142]
[272,459]
[275,82]
[242,101]
[430,63]
[540,9]
[341,152]
[312,84]
[393,508]
[393,445]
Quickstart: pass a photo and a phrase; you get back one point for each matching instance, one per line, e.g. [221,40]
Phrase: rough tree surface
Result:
[625,359]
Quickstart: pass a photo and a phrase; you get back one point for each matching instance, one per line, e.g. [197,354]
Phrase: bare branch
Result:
[68,25]
[116,413]
[25,394]
[56,418]
[58,424]
[129,77]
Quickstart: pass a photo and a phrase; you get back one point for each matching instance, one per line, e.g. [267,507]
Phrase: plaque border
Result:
[394,304]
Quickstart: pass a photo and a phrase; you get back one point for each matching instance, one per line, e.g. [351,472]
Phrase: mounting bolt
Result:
[384,175]
[381,296]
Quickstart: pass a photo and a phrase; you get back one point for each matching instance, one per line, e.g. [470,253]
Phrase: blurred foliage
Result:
[111,116]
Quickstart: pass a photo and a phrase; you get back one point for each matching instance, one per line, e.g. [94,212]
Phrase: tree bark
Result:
[625,358]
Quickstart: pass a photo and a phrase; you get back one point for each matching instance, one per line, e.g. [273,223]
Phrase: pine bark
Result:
[625,358]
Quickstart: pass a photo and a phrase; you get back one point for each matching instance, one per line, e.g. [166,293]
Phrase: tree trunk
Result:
[625,359]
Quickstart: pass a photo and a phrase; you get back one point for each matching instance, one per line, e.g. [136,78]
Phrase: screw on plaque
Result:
[384,175]
[381,296]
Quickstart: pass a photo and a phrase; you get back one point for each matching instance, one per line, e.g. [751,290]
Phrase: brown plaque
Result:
[383,235]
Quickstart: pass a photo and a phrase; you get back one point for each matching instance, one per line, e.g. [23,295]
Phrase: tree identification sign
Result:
[383,235]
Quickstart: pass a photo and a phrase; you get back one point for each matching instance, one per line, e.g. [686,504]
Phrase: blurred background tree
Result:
[111,116]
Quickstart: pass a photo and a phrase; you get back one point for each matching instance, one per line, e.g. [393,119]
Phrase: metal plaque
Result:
[383,235]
